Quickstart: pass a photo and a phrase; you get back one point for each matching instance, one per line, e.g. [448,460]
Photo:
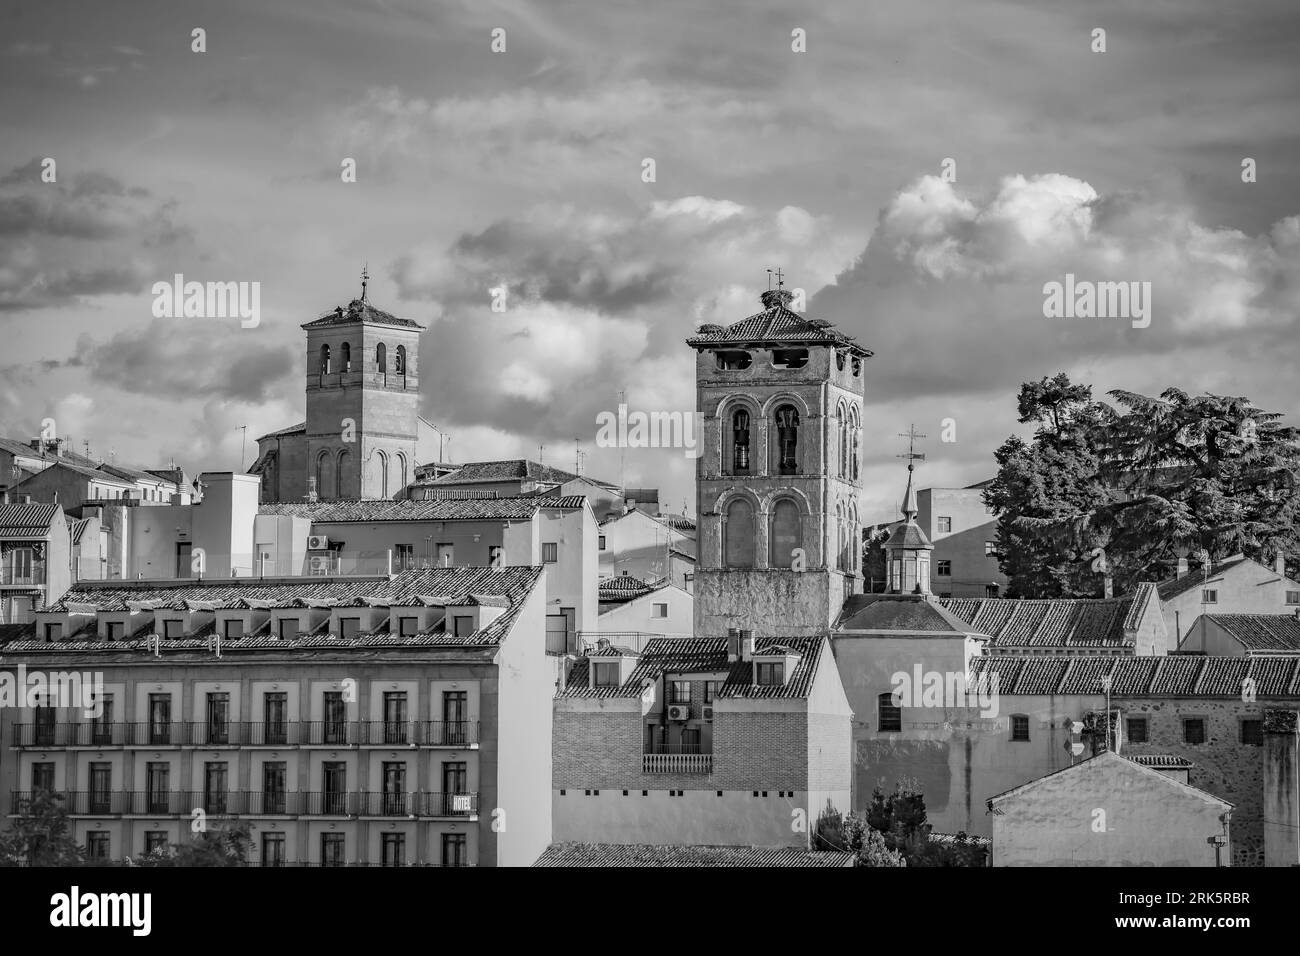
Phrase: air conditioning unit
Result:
[708,711]
[319,565]
[317,542]
[679,712]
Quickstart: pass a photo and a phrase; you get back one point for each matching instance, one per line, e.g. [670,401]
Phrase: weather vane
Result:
[912,455]
[365,278]
[780,278]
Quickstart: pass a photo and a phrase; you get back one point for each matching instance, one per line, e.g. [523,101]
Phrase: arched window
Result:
[399,363]
[889,716]
[844,442]
[740,442]
[383,474]
[739,535]
[401,466]
[345,358]
[787,433]
[325,359]
[786,536]
[839,537]
[344,458]
[381,357]
[322,473]
[855,447]
[855,539]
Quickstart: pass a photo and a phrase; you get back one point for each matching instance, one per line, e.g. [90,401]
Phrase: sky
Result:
[920,169]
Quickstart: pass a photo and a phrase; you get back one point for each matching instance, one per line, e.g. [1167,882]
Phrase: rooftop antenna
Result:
[577,457]
[243,444]
[541,451]
[365,279]
[780,278]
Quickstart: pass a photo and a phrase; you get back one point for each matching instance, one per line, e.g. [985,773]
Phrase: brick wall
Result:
[830,764]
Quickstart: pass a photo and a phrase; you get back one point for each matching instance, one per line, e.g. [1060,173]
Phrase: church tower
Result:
[363,395]
[780,475]
[907,550]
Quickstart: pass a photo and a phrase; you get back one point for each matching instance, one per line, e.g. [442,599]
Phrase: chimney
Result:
[746,646]
[1182,566]
[1279,564]
[1108,586]
[602,644]
[733,644]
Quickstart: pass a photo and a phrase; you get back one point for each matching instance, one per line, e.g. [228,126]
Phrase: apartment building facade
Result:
[362,720]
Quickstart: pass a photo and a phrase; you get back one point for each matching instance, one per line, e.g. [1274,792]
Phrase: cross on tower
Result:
[911,435]
[780,278]
[365,278]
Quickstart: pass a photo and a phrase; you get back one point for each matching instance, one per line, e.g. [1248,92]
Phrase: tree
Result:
[224,846]
[837,831]
[898,824]
[40,835]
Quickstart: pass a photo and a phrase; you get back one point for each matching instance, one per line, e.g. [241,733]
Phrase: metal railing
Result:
[677,763]
[259,803]
[237,733]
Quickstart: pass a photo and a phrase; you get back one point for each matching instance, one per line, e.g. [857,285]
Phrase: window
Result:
[275,707]
[945,524]
[771,674]
[550,552]
[455,781]
[101,725]
[332,849]
[173,629]
[463,626]
[157,786]
[215,776]
[325,359]
[605,674]
[710,690]
[1252,732]
[1137,730]
[232,628]
[495,555]
[336,720]
[155,841]
[991,590]
[738,532]
[888,714]
[455,716]
[789,358]
[785,533]
[97,845]
[101,787]
[733,361]
[680,692]
[322,473]
[334,787]
[843,428]
[399,361]
[116,630]
[349,627]
[345,358]
[218,718]
[20,565]
[394,849]
[288,627]
[740,460]
[787,432]
[601,543]
[1293,597]
[344,459]
[403,557]
[690,740]
[394,716]
[393,773]
[273,849]
[1194,730]
[1209,596]
[160,718]
[44,719]
[446,554]
[1019,727]
[53,632]
[274,774]
[943,568]
[855,436]
[455,850]
[990,548]
[42,777]
[381,357]
[408,626]
[659,610]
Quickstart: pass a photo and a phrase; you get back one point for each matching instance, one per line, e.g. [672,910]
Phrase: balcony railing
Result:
[294,803]
[33,578]
[236,733]
[677,763]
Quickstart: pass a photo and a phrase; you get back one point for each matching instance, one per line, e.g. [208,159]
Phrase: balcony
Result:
[677,762]
[461,734]
[234,803]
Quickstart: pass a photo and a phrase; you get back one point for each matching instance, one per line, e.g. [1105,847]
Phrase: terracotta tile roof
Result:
[1064,622]
[78,529]
[26,521]
[1101,759]
[775,325]
[1195,579]
[431,509]
[85,471]
[899,612]
[17,632]
[360,311]
[1174,675]
[1261,632]
[662,855]
[613,650]
[299,429]
[623,587]
[703,655]
[1161,761]
[514,469]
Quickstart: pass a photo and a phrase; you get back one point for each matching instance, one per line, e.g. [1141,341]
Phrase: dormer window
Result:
[733,361]
[857,367]
[769,673]
[789,358]
[606,674]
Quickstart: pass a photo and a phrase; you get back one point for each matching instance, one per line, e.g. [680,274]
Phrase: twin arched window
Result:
[787,440]
[786,535]
[738,534]
[740,442]
[399,364]
[325,359]
[383,474]
[381,357]
[850,433]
